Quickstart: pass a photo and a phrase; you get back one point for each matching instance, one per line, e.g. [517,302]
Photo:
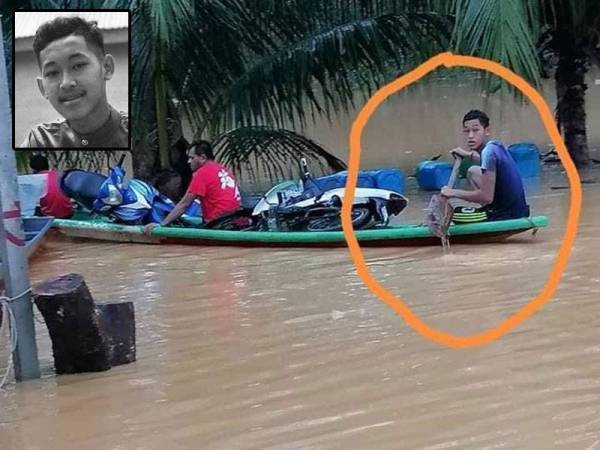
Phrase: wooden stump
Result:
[117,322]
[73,322]
[85,337]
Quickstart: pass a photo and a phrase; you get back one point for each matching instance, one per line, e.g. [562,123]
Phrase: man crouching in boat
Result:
[212,184]
[496,182]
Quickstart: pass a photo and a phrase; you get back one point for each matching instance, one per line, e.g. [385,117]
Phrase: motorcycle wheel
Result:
[361,215]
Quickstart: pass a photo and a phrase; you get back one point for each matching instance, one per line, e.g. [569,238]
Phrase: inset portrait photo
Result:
[71,79]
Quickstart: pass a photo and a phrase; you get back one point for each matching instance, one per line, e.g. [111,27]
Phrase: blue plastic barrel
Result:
[338,180]
[433,175]
[332,181]
[527,157]
[365,179]
[388,178]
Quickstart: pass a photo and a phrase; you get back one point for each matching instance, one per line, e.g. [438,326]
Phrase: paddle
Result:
[439,211]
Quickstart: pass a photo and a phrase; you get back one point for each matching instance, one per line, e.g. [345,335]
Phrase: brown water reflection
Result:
[287,349]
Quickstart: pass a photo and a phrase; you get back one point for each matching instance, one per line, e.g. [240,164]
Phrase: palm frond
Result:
[263,153]
[323,72]
[501,31]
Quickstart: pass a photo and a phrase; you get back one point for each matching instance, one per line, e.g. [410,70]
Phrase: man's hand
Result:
[149,227]
[447,192]
[461,153]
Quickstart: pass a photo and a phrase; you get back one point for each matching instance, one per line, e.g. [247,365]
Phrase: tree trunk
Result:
[143,159]
[174,180]
[144,156]
[160,97]
[570,108]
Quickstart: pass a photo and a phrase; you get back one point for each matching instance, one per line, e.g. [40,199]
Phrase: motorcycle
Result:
[131,202]
[304,206]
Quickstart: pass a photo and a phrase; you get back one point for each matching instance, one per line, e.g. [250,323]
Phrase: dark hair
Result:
[484,120]
[38,163]
[201,147]
[64,26]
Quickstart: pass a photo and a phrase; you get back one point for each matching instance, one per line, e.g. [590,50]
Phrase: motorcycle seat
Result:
[81,185]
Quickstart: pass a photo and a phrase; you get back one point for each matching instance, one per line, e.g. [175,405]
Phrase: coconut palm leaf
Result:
[503,31]
[260,153]
[231,63]
[323,72]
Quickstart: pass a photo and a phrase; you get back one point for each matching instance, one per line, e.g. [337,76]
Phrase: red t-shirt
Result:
[55,203]
[217,190]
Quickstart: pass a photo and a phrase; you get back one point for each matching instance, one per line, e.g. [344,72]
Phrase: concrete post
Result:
[12,245]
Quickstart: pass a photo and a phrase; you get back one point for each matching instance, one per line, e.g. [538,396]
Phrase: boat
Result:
[399,235]
[35,228]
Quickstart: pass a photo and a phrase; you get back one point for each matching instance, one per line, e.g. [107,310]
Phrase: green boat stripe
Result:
[407,231]
[466,216]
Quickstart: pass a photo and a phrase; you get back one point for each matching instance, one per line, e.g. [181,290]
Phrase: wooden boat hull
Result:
[403,235]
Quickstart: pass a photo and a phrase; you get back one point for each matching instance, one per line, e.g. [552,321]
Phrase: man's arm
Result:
[179,209]
[470,155]
[484,195]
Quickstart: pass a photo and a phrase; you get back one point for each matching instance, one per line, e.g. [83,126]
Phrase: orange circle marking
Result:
[564,251]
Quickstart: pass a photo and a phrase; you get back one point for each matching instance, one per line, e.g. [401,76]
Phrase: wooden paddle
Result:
[439,211]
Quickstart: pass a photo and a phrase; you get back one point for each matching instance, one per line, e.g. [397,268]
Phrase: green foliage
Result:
[263,153]
[248,63]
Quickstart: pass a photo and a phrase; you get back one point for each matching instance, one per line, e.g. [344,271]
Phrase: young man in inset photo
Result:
[74,69]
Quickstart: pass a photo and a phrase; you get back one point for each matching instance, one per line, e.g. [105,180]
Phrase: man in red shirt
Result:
[55,203]
[212,184]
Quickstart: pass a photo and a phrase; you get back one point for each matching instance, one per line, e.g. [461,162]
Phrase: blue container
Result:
[365,179]
[330,181]
[388,178]
[433,175]
[338,180]
[527,157]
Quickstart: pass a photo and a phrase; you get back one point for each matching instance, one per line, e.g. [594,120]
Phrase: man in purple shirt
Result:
[497,185]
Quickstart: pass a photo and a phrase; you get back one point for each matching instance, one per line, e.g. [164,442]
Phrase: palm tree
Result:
[246,63]
[566,31]
[572,34]
[240,63]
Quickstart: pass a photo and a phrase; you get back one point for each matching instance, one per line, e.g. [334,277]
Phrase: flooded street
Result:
[288,349]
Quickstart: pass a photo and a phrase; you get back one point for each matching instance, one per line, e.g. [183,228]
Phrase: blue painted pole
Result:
[12,242]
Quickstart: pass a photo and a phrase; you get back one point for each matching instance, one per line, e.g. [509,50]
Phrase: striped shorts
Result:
[465,214]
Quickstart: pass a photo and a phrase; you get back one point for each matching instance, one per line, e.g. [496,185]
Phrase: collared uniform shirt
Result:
[58,134]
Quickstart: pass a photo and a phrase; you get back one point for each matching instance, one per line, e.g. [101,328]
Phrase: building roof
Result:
[26,23]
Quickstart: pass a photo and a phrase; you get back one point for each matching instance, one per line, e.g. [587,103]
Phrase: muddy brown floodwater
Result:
[287,349]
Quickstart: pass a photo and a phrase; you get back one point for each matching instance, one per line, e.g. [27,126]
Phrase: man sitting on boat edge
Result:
[496,182]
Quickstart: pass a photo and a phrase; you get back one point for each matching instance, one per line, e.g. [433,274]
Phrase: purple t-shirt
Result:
[509,196]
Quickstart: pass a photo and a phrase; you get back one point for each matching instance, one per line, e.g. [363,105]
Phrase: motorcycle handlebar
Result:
[304,168]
